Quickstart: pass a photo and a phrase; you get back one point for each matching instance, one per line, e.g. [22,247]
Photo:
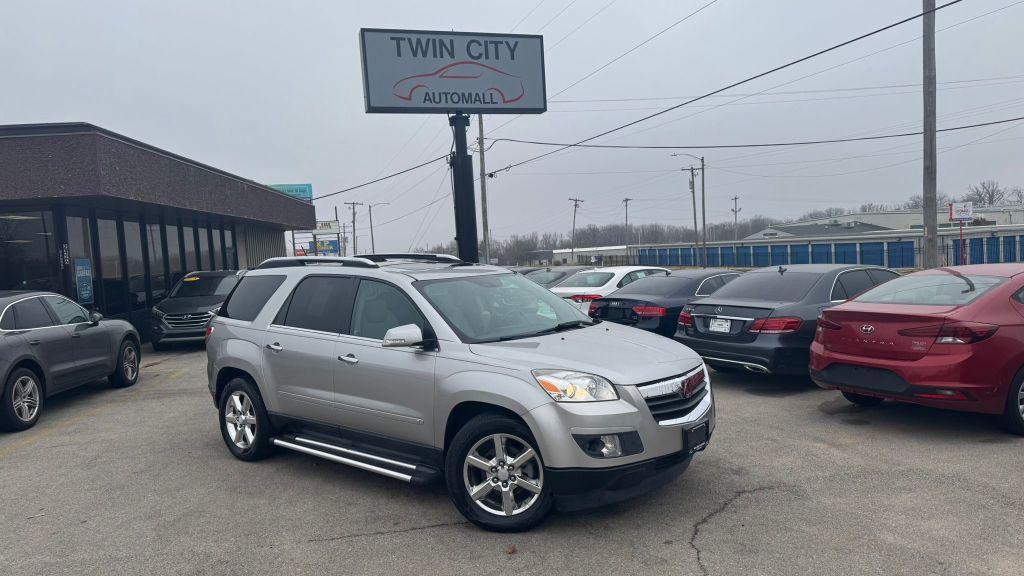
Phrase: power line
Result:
[382,178]
[735,84]
[415,210]
[555,17]
[528,14]
[564,145]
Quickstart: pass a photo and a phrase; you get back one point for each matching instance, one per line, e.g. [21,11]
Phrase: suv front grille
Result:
[193,320]
[675,398]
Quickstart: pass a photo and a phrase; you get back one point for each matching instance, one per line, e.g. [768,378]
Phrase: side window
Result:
[628,279]
[838,293]
[32,314]
[320,303]
[379,307]
[881,276]
[67,312]
[709,285]
[855,282]
[8,322]
[249,297]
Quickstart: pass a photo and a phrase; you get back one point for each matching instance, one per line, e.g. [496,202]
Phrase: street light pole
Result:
[373,244]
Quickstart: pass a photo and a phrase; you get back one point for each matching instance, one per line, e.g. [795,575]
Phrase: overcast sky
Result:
[272,91]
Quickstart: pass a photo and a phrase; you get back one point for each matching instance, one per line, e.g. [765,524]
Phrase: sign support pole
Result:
[463,193]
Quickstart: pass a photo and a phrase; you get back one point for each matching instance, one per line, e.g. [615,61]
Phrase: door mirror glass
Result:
[95,317]
[403,336]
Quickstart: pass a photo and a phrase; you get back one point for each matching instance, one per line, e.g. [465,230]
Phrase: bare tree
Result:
[1015,194]
[987,193]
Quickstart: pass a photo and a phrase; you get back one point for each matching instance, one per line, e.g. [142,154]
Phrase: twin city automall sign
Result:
[420,71]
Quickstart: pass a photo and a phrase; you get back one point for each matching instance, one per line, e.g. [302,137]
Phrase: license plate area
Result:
[720,325]
[696,439]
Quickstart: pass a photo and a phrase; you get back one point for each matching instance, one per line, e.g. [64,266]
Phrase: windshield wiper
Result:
[560,327]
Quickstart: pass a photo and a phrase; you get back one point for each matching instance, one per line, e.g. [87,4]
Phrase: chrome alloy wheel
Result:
[1020,400]
[25,398]
[130,366]
[240,420]
[503,474]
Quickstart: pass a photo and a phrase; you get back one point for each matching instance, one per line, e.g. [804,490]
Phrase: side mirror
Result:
[403,336]
[95,317]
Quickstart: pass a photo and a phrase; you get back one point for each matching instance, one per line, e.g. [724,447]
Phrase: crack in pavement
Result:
[387,532]
[711,515]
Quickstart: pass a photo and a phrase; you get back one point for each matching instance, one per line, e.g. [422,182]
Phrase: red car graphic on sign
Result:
[508,87]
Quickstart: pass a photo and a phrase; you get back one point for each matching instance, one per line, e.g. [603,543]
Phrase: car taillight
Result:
[592,312]
[828,324]
[781,325]
[649,311]
[581,298]
[685,319]
[209,332]
[954,332]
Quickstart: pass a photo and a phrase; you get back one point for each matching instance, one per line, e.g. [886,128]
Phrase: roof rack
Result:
[440,258]
[292,261]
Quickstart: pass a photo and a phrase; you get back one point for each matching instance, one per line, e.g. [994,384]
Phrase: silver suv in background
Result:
[422,368]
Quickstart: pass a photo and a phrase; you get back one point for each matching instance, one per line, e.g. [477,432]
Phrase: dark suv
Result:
[183,315]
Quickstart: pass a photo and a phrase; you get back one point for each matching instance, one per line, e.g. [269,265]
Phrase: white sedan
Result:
[586,286]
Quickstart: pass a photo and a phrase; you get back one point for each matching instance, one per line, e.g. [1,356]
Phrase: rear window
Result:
[250,296]
[658,286]
[544,277]
[587,280]
[786,287]
[931,290]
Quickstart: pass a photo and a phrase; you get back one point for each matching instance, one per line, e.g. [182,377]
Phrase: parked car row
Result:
[948,338]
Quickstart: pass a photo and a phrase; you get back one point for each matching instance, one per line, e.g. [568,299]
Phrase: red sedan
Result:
[947,338]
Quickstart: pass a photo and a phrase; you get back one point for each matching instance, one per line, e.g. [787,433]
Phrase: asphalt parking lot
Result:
[796,481]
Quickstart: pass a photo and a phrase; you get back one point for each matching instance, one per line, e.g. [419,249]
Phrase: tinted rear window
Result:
[249,297]
[587,280]
[659,286]
[787,287]
[545,277]
[930,290]
[321,303]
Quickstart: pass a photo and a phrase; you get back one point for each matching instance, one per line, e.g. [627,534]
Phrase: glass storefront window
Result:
[204,248]
[84,281]
[136,266]
[28,251]
[115,291]
[191,259]
[231,262]
[217,250]
[173,253]
[157,274]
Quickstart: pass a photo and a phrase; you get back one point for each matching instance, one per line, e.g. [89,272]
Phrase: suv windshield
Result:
[587,280]
[772,286]
[949,289]
[191,286]
[499,307]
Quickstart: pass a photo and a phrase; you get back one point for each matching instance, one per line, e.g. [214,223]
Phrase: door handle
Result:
[35,342]
[350,359]
[275,347]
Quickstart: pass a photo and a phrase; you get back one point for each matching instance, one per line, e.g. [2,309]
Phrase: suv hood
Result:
[189,305]
[619,353]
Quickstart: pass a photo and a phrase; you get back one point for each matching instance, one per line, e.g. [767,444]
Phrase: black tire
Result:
[863,399]
[1013,413]
[13,419]
[256,446]
[479,430]
[126,371]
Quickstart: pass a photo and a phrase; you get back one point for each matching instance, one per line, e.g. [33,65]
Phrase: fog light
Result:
[612,447]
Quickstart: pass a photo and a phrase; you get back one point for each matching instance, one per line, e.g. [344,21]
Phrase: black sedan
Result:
[764,321]
[654,303]
[49,344]
[553,276]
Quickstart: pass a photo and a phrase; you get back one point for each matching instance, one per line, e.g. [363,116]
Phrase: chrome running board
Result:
[343,460]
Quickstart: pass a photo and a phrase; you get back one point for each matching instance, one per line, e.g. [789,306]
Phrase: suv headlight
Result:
[571,386]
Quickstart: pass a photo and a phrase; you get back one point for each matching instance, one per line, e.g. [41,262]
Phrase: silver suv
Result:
[423,367]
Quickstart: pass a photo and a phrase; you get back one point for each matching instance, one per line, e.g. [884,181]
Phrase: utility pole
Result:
[373,244]
[572,246]
[929,207]
[338,221]
[344,237]
[483,188]
[735,218]
[703,216]
[355,244]
[693,196]
[626,201]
